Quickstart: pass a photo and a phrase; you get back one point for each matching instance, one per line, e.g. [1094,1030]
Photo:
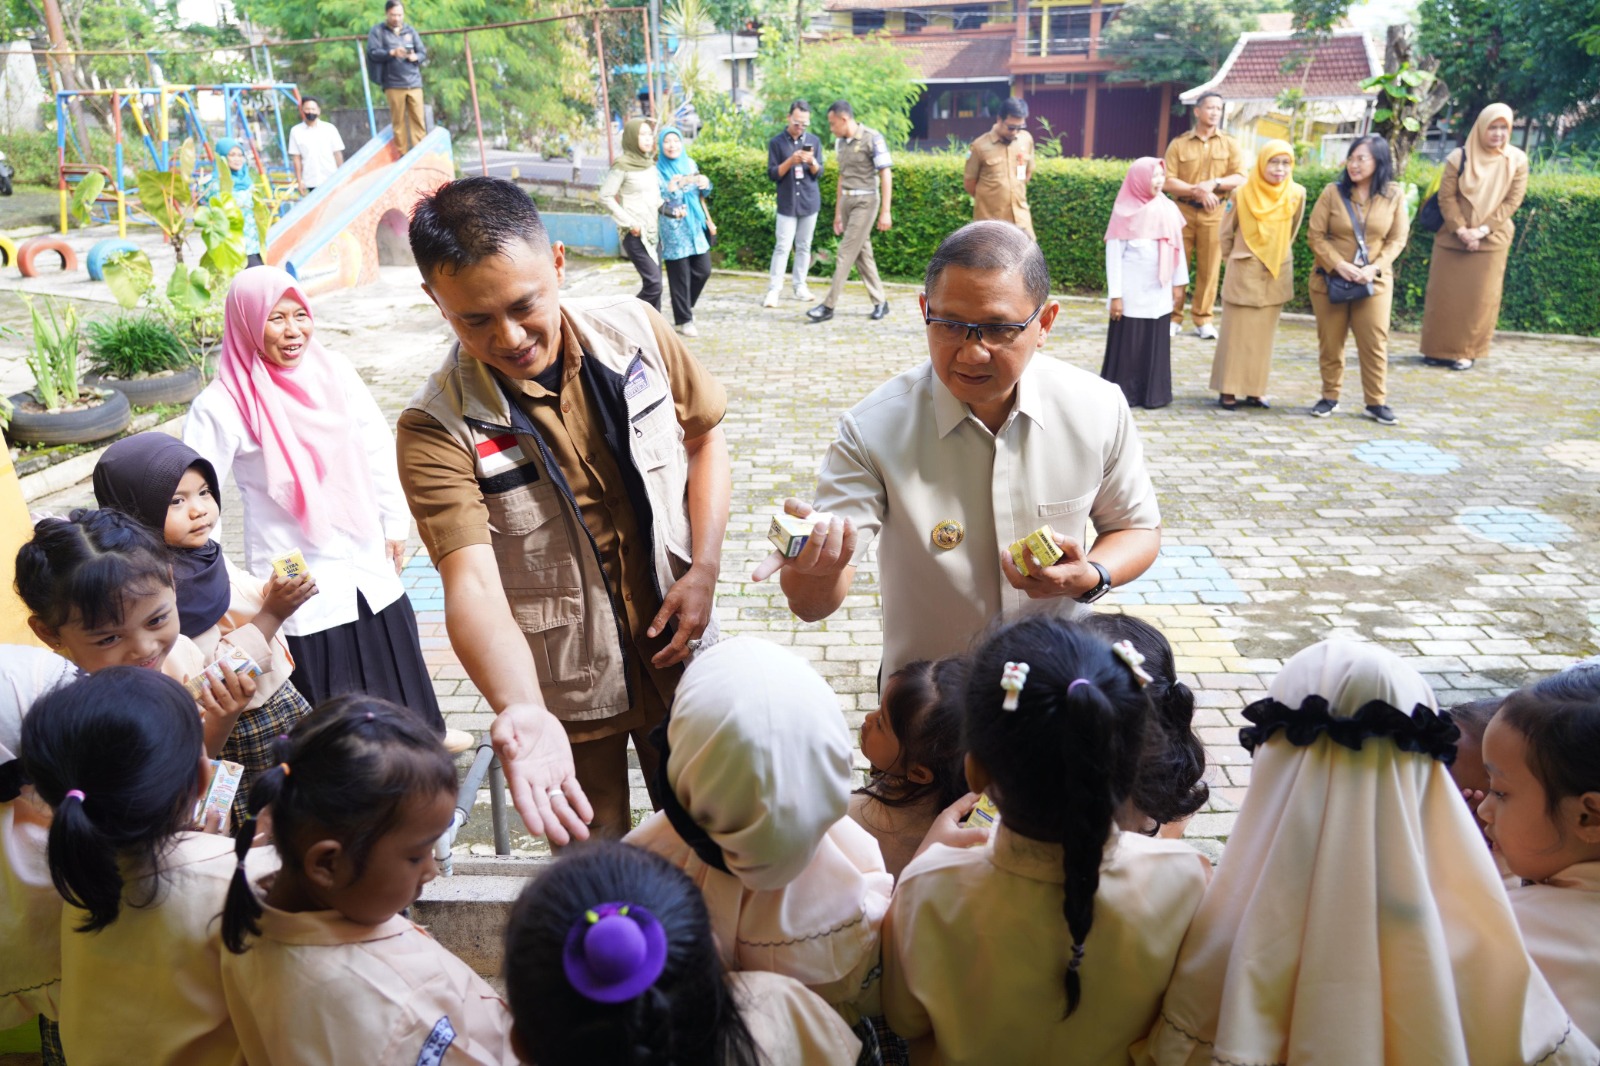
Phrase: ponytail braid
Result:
[1086,753]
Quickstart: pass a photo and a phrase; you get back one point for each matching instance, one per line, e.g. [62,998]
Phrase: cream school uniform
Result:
[316,988]
[976,949]
[30,906]
[1560,922]
[148,987]
[792,1026]
[342,564]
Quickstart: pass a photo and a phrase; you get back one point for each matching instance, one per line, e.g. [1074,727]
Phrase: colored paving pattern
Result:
[1516,527]
[1406,457]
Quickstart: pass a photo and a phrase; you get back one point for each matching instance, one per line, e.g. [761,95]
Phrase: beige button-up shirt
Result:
[1000,170]
[911,455]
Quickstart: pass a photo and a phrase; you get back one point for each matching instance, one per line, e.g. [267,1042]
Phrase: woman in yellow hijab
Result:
[1481,187]
[1257,240]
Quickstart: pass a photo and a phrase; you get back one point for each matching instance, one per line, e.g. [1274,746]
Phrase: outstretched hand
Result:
[829,549]
[537,760]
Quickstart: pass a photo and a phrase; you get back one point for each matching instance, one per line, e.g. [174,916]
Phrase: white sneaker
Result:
[771,299]
[1207,332]
[1174,330]
[803,293]
[688,329]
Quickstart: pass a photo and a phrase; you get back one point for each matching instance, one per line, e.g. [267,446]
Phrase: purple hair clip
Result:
[614,952]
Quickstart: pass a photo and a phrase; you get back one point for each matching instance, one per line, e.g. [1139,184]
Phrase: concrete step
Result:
[467,912]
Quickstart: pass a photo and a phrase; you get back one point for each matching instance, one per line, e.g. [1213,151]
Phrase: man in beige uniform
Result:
[866,187]
[952,461]
[1203,166]
[568,475]
[999,167]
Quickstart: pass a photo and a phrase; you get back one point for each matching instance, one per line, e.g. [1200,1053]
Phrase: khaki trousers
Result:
[601,763]
[405,114]
[855,249]
[1201,245]
[1369,320]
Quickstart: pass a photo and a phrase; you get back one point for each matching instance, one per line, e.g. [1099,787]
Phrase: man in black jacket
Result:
[794,161]
[395,54]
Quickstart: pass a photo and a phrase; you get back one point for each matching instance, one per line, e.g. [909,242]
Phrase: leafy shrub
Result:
[33,154]
[1550,282]
[130,345]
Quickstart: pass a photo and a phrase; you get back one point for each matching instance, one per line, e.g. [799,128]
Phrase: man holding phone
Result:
[794,161]
[395,55]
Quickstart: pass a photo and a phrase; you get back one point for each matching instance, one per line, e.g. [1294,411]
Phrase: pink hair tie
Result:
[1076,682]
[73,793]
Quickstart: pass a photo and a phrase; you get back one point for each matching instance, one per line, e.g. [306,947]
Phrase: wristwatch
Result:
[1100,589]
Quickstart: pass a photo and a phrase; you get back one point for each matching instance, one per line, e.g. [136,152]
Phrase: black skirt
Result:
[377,654]
[1139,359]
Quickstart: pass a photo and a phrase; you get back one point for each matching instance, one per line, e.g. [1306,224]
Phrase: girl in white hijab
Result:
[1357,916]
[756,762]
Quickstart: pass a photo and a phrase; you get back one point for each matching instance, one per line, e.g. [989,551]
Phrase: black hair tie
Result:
[1423,731]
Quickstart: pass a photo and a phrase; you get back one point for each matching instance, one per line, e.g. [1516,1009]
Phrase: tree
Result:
[1182,42]
[868,71]
[1410,95]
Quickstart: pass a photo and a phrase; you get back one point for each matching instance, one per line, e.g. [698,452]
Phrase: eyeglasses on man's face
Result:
[1018,128]
[999,334]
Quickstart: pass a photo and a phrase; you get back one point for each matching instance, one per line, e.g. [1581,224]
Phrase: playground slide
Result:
[329,240]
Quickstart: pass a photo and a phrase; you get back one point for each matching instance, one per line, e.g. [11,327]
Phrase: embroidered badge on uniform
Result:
[438,1042]
[499,454]
[638,380]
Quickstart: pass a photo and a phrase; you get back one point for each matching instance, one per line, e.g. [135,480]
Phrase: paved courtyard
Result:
[1463,538]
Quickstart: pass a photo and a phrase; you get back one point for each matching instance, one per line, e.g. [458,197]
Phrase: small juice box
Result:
[225,778]
[983,815]
[242,664]
[290,564]
[789,534]
[1042,542]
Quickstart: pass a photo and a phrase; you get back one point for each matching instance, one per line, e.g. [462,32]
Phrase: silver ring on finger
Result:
[555,793]
[693,645]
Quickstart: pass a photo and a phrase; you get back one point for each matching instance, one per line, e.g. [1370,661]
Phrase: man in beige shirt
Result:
[952,461]
[999,167]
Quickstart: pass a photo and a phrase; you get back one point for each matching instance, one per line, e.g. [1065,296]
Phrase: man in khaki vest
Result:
[999,167]
[568,475]
[866,187]
[1204,165]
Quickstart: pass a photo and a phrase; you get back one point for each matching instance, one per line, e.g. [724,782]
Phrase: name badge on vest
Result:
[504,463]
[637,381]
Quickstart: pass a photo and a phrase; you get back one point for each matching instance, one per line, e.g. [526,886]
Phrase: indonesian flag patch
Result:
[499,454]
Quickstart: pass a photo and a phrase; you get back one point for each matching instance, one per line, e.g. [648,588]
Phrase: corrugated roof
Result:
[1334,67]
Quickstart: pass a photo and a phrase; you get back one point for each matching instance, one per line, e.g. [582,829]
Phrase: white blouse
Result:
[344,565]
[1132,273]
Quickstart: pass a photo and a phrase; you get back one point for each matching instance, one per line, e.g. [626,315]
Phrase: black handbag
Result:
[1430,216]
[1341,290]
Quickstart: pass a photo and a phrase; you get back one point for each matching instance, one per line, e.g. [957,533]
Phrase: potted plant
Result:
[59,410]
[143,358]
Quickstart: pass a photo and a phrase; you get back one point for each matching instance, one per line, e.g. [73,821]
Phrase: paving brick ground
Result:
[1463,538]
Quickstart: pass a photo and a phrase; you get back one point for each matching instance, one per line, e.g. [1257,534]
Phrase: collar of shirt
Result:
[487,403]
[323,928]
[1584,876]
[949,412]
[1025,857]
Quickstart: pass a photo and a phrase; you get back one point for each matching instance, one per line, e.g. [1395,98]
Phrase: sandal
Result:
[1226,406]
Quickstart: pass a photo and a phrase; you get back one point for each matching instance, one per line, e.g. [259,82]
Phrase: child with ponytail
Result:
[120,757]
[1054,942]
[322,967]
[610,959]
[99,590]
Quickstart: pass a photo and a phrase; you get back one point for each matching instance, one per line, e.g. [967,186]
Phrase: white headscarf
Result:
[1356,917]
[759,759]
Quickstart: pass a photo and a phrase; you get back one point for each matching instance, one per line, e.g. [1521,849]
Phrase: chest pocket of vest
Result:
[538,563]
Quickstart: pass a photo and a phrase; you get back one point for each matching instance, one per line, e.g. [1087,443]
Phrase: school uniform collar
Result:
[949,412]
[324,928]
[1025,857]
[1583,876]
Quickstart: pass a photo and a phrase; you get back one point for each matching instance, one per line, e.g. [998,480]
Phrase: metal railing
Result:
[1054,46]
[484,764]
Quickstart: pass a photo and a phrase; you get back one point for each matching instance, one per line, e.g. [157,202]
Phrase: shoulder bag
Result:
[1340,289]
[1429,216]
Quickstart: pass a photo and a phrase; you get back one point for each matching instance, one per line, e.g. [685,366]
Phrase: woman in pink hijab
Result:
[314,458]
[1144,264]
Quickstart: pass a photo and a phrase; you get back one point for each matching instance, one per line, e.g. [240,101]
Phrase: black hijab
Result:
[138,476]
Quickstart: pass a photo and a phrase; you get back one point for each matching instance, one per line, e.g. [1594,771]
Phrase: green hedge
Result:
[1550,285]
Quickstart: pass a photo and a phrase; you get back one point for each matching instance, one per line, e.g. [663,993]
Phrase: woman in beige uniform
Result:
[1258,246]
[1480,189]
[1381,210]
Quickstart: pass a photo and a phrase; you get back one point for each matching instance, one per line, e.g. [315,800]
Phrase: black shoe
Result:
[1429,360]
[1381,414]
[1257,401]
[820,313]
[1227,405]
[879,311]
[1324,408]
